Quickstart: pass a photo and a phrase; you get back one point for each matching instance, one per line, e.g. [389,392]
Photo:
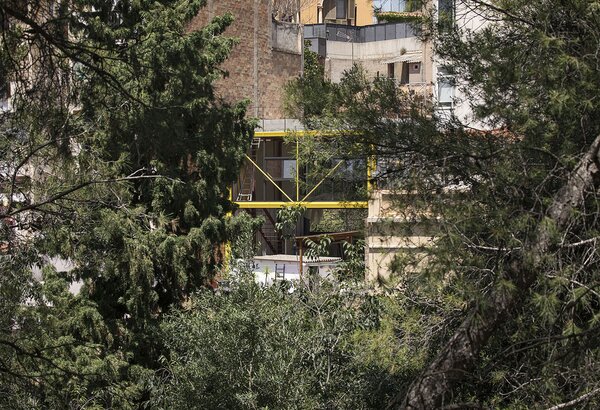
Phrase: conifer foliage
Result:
[507,294]
[116,157]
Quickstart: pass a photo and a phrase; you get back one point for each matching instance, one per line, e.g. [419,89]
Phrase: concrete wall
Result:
[287,37]
[257,71]
[392,231]
[374,57]
[469,19]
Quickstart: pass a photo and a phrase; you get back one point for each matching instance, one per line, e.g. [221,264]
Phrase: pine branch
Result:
[458,356]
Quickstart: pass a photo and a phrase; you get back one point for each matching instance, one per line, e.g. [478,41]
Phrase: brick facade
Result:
[257,72]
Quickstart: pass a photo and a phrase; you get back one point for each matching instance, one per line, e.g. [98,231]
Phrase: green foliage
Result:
[129,154]
[353,263]
[340,220]
[315,249]
[531,76]
[242,229]
[287,219]
[396,17]
[265,348]
[308,95]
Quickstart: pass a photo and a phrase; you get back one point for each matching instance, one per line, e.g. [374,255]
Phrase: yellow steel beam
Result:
[307,205]
[331,171]
[266,175]
[300,133]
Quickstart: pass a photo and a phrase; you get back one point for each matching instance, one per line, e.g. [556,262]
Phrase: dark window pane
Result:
[341,9]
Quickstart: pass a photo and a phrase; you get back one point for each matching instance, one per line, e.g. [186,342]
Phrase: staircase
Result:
[246,191]
[269,233]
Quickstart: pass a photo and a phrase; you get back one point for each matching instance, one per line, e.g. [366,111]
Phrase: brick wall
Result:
[256,71]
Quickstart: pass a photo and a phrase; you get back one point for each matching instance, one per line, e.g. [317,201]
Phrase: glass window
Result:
[446,88]
[289,168]
[341,11]
[390,5]
[446,14]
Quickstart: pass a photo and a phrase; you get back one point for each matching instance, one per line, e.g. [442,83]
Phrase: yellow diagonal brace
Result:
[269,178]
[323,180]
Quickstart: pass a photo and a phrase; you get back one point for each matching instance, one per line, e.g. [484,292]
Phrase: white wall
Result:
[470,19]
[373,56]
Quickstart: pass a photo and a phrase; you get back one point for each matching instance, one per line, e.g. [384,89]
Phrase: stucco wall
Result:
[364,12]
[374,57]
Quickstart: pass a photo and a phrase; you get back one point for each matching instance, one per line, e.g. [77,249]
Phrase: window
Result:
[289,169]
[446,88]
[390,5]
[391,70]
[446,14]
[341,9]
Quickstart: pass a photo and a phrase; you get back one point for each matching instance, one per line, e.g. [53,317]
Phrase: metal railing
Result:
[365,34]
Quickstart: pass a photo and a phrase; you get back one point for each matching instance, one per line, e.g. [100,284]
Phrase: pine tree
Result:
[507,297]
[117,156]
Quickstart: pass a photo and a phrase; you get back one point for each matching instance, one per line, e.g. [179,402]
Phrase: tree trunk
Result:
[457,357]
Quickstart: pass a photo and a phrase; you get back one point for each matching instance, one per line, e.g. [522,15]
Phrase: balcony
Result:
[366,34]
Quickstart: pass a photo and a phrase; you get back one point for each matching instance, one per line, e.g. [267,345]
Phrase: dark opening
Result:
[341,11]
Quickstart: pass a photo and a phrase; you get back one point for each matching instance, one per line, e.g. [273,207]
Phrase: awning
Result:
[408,57]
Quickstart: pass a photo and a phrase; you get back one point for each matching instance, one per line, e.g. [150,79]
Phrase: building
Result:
[270,54]
[346,12]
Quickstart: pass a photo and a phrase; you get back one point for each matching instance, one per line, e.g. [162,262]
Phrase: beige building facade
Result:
[270,54]
[348,12]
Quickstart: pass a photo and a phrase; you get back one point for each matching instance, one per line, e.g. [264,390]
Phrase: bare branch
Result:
[576,401]
[62,194]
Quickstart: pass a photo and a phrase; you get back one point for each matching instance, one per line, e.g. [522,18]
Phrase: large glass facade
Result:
[389,5]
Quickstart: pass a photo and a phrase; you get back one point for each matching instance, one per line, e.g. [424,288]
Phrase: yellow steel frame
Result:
[307,204]
[304,202]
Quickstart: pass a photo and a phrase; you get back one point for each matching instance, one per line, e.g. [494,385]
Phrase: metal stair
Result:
[247,185]
[269,233]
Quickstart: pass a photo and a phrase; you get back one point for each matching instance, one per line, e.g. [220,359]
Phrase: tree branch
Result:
[75,188]
[575,401]
[457,357]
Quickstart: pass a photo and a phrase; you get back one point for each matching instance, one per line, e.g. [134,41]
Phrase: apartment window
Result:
[389,5]
[341,9]
[446,14]
[410,72]
[446,88]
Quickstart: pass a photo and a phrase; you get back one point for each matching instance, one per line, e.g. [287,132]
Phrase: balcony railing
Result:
[365,34]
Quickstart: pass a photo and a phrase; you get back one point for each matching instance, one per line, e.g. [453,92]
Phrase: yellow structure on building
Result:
[350,12]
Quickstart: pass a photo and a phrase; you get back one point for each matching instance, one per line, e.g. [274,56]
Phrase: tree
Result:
[116,158]
[287,10]
[508,292]
[261,347]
